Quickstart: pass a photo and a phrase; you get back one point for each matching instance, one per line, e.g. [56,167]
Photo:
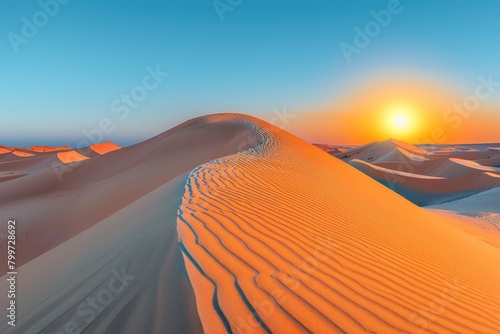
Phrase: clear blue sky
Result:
[264,55]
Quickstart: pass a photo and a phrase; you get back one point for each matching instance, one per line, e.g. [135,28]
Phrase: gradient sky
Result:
[263,58]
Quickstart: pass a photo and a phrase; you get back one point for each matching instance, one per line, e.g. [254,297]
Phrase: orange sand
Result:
[284,239]
[22,154]
[104,148]
[4,149]
[70,156]
[41,149]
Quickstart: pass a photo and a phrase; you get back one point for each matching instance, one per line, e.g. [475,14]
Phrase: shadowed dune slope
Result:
[423,190]
[107,183]
[493,161]
[485,206]
[82,225]
[282,238]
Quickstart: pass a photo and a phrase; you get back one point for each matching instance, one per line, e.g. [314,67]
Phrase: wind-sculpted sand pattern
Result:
[283,238]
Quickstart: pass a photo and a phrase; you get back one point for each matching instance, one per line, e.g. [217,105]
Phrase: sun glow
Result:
[400,120]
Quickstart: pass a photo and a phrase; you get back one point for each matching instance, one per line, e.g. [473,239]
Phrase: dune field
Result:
[439,175]
[228,224]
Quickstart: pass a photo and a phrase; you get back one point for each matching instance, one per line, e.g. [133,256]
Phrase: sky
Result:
[337,72]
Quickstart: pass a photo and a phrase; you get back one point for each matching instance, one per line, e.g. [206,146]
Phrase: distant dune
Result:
[70,156]
[104,148]
[40,149]
[382,150]
[431,177]
[227,224]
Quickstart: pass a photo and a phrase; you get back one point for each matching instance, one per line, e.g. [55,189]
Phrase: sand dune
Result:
[229,224]
[40,149]
[103,148]
[455,149]
[483,225]
[428,178]
[401,155]
[331,149]
[444,167]
[378,150]
[42,158]
[475,165]
[22,154]
[426,190]
[281,238]
[493,161]
[70,156]
[481,205]
[5,149]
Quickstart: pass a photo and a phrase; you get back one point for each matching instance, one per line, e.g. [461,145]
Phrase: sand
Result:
[390,148]
[432,177]
[70,156]
[5,150]
[282,238]
[22,154]
[80,222]
[103,148]
[40,149]
[229,224]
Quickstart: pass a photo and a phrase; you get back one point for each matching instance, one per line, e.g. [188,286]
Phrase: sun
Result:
[400,121]
[400,118]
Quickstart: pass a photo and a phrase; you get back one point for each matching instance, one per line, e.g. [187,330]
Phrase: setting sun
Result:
[400,121]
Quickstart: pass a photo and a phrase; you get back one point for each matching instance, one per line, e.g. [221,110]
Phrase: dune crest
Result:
[5,150]
[22,154]
[41,149]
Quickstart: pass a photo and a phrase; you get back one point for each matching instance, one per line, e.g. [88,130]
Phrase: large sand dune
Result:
[281,238]
[229,224]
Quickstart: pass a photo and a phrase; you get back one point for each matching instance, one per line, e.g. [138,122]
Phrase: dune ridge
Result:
[282,238]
